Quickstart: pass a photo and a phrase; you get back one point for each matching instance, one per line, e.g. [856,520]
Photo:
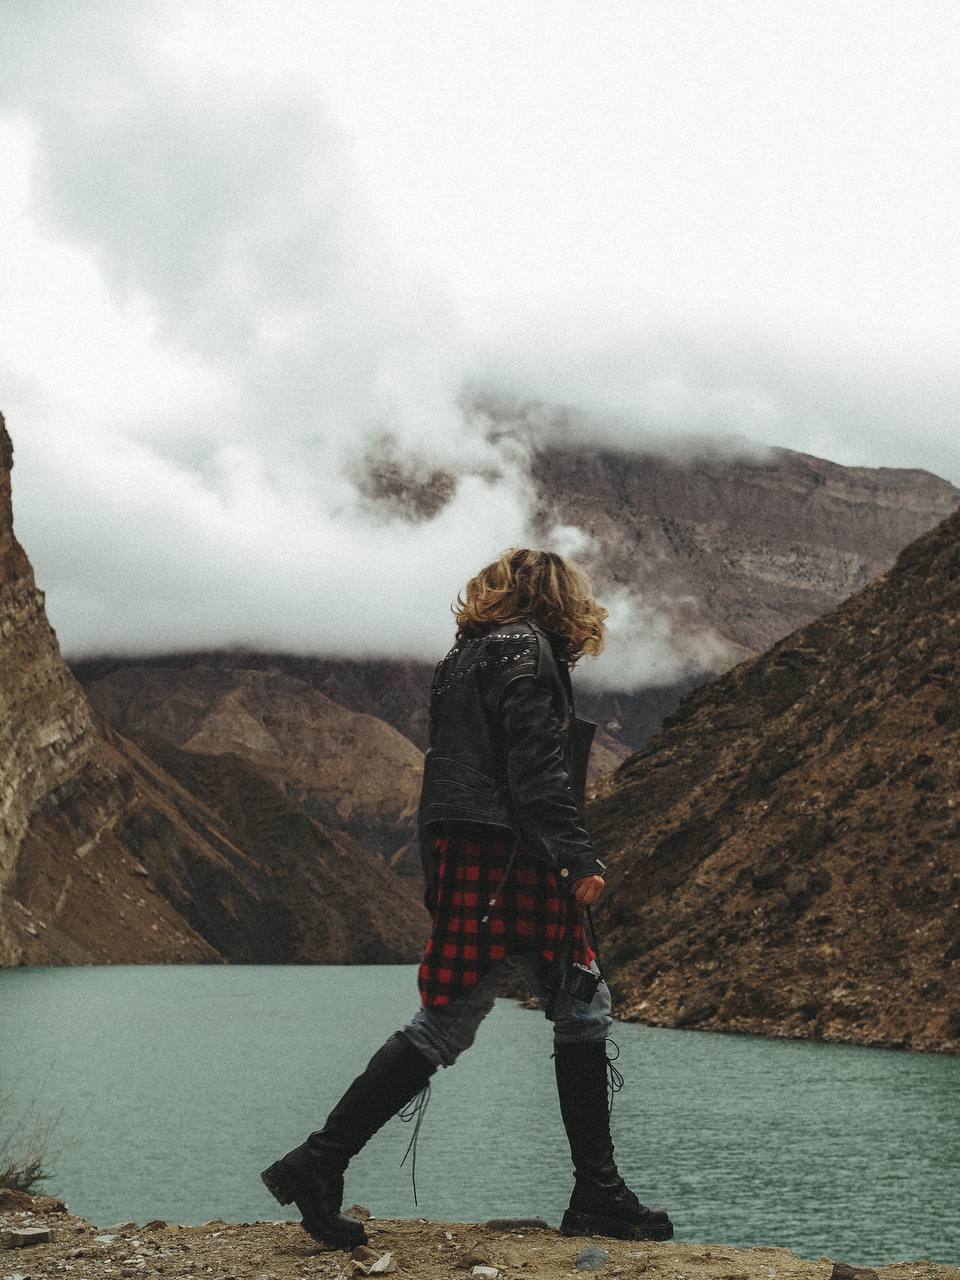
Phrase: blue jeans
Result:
[441,1032]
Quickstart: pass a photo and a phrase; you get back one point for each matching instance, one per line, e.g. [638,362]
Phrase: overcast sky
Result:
[244,246]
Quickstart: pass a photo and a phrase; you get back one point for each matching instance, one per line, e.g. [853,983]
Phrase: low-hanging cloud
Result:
[228,212]
[644,648]
[216,495]
[686,383]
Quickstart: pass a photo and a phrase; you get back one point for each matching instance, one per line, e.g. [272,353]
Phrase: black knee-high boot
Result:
[311,1175]
[602,1203]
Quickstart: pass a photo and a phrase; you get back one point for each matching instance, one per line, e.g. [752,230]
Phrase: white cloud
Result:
[643,648]
[257,342]
[570,541]
[244,245]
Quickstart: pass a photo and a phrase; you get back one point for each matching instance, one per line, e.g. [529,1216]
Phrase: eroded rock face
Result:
[786,852]
[105,856]
[45,720]
[739,552]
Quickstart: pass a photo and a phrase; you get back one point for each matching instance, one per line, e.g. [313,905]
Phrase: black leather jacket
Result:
[507,749]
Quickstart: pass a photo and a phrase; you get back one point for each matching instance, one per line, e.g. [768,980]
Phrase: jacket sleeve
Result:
[539,782]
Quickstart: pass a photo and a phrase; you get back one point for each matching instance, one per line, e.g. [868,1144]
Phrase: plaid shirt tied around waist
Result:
[532,912]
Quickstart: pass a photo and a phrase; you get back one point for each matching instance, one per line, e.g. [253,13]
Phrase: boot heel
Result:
[277,1182]
[576,1223]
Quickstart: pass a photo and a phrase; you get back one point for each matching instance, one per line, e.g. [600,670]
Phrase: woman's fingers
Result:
[588,890]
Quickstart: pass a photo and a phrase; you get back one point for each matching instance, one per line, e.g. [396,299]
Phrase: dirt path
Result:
[417,1248]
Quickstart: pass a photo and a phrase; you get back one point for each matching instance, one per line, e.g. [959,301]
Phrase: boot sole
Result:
[334,1229]
[598,1224]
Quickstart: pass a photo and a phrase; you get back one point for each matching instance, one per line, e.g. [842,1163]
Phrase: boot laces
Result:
[614,1076]
[415,1109]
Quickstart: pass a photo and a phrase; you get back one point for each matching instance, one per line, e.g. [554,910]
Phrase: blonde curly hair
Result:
[540,586]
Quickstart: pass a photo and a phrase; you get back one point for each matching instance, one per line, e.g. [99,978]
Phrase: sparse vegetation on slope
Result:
[786,852]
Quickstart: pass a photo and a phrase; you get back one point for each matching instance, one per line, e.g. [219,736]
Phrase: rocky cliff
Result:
[46,723]
[737,552]
[105,856]
[786,852]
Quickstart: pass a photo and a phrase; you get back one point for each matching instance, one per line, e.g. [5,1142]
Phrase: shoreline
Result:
[70,1246]
[773,1031]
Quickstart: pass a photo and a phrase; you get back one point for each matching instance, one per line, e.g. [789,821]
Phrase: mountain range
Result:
[783,851]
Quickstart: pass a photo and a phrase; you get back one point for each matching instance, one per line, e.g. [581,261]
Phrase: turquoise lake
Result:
[172,1086]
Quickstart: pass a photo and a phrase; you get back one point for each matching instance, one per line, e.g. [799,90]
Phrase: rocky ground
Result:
[40,1238]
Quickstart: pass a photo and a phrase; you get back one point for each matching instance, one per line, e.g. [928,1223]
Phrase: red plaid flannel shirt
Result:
[532,911]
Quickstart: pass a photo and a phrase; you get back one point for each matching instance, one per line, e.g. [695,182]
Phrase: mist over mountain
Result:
[730,554]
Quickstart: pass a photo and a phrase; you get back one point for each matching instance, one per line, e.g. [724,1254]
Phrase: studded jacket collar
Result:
[508,749]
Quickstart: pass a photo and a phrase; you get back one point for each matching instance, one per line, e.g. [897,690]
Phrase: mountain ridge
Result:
[785,854]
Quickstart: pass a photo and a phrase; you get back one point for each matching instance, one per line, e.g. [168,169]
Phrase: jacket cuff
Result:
[575,868]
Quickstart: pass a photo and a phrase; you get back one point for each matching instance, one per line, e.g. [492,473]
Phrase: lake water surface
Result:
[174,1085]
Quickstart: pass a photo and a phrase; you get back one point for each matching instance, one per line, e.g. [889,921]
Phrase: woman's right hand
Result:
[587,890]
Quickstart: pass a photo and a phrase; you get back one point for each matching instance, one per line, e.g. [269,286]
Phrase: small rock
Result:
[21,1237]
[18,1200]
[843,1271]
[484,1271]
[476,1256]
[369,1262]
[49,1204]
[591,1259]
[139,869]
[105,1239]
[155,1224]
[358,1211]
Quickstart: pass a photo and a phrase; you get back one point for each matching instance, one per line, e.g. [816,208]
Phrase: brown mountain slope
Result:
[105,857]
[350,771]
[786,852]
[122,864]
[394,691]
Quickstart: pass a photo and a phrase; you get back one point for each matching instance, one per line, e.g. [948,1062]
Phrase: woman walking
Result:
[509,871]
